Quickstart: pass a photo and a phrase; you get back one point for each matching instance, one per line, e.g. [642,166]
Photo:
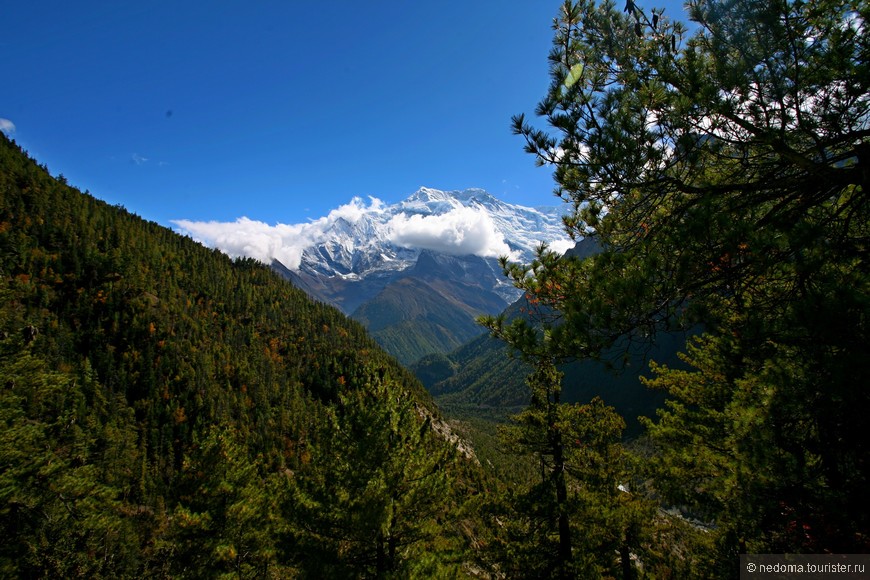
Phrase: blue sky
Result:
[278,111]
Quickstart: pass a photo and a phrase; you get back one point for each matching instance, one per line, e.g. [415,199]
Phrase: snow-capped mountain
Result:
[360,249]
[523,228]
[416,273]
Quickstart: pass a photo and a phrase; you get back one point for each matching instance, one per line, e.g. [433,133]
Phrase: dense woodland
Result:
[166,411]
[723,170]
[170,412]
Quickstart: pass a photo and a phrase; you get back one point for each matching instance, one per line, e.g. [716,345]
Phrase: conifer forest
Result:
[167,411]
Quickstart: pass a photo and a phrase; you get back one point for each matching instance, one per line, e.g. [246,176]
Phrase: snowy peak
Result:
[427,194]
[367,252]
[417,273]
[433,201]
[374,241]
[359,240]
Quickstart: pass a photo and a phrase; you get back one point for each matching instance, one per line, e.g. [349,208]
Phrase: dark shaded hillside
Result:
[481,379]
[410,319]
[175,409]
[346,295]
[432,308]
[478,379]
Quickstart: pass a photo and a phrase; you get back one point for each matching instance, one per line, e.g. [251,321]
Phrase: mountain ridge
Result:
[164,404]
[362,249]
[419,272]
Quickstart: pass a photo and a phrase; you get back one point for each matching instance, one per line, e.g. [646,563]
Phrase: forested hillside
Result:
[484,379]
[432,308]
[166,411]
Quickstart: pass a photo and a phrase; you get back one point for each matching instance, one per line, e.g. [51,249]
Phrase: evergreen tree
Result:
[724,172]
[64,474]
[226,523]
[579,519]
[375,490]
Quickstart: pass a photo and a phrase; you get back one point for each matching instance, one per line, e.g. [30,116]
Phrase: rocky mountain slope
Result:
[418,272]
[359,253]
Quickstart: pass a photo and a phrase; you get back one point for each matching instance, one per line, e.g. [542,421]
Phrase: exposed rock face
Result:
[360,255]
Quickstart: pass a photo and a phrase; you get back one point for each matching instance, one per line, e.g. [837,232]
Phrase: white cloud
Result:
[251,238]
[562,246]
[138,159]
[355,210]
[7,126]
[282,242]
[461,231]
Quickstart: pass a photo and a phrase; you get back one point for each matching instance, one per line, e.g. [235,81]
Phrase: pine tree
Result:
[376,488]
[579,519]
[64,477]
[724,172]
[226,522]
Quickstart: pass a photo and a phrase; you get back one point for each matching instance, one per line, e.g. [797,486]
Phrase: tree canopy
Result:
[163,408]
[723,167]
[715,156]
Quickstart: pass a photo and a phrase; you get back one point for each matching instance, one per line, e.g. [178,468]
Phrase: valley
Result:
[416,273]
[296,363]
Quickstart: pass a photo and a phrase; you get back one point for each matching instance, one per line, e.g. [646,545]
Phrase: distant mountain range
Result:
[418,272]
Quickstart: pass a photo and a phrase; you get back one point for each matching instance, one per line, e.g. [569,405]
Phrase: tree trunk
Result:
[625,560]
[561,501]
[380,558]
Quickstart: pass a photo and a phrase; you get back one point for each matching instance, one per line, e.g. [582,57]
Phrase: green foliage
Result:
[67,460]
[578,519]
[226,522]
[377,493]
[433,368]
[704,166]
[741,449]
[724,173]
[160,403]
